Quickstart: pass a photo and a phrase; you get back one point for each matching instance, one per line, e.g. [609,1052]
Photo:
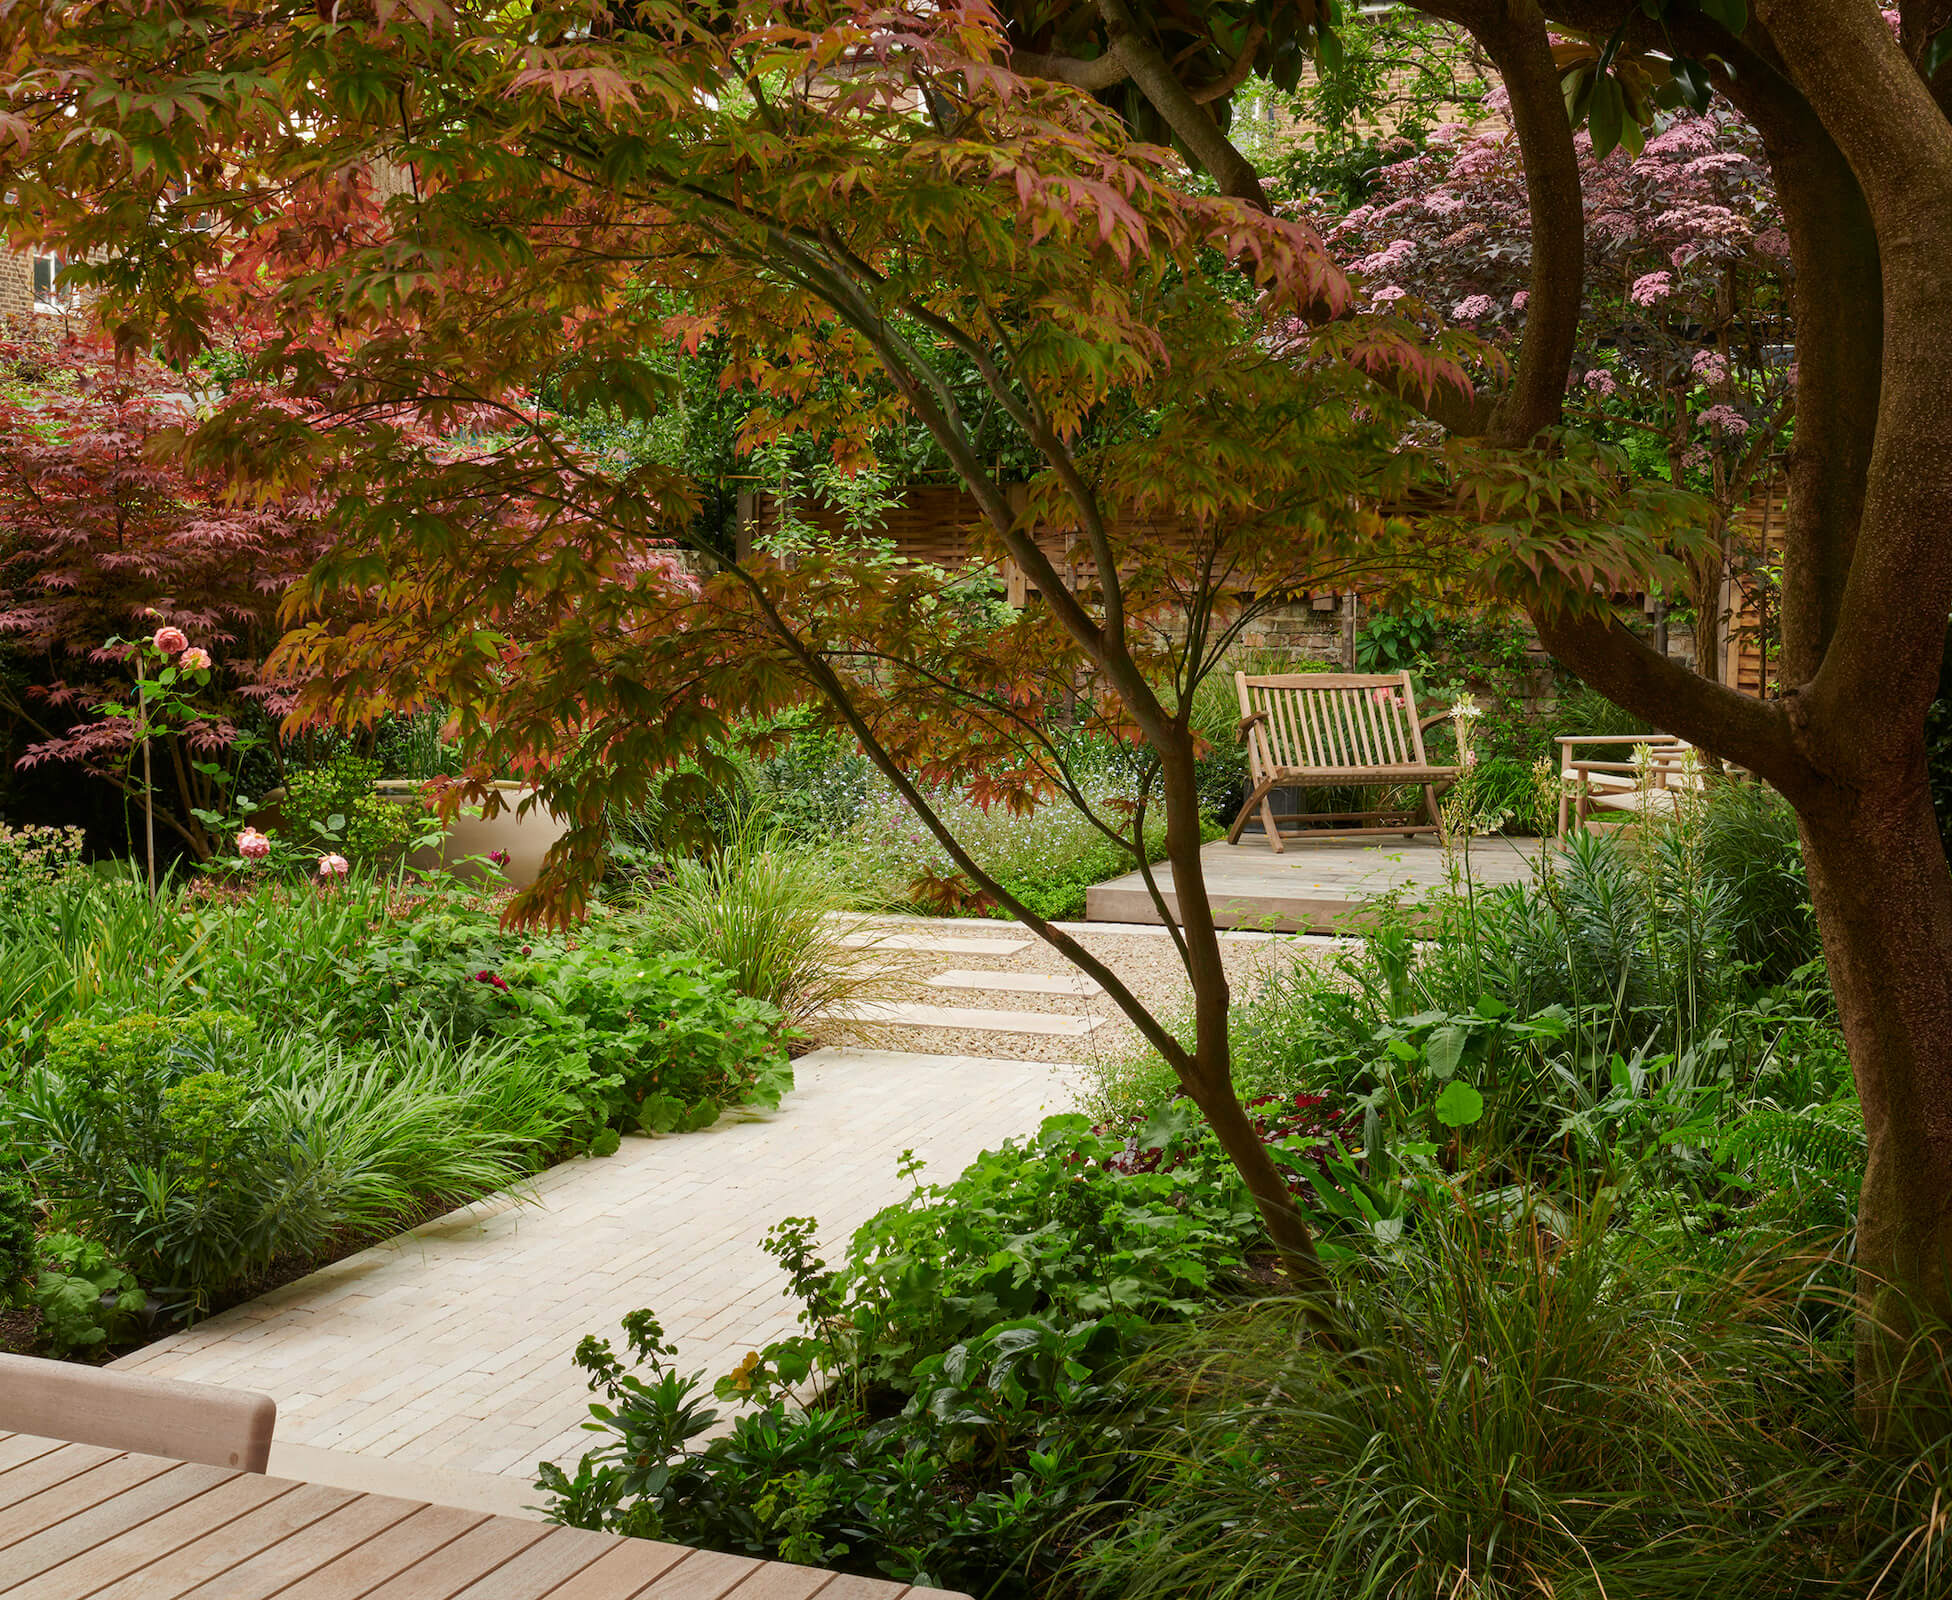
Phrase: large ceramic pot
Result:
[525,838]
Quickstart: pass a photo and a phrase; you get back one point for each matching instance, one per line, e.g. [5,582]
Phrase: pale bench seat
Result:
[1334,730]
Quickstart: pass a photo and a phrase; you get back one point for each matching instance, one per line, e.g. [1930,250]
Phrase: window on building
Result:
[48,292]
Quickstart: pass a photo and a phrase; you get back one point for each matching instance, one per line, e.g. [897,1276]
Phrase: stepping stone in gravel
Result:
[1018,982]
[940,944]
[968,1019]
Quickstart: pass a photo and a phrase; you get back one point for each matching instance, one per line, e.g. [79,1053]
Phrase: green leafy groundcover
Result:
[967,1357]
[200,1092]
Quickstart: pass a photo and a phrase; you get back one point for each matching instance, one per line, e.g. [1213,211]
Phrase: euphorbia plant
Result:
[879,222]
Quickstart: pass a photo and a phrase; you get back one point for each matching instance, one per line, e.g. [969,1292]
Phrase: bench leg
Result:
[1430,806]
[1257,799]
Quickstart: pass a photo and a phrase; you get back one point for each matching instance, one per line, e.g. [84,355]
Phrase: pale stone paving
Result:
[448,1350]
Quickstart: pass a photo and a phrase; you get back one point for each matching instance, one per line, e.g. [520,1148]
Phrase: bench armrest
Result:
[1248,724]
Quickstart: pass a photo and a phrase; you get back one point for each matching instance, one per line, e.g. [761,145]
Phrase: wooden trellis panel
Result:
[1754,642]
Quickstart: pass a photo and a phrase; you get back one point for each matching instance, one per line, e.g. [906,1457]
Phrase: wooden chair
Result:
[1318,729]
[1589,783]
[125,1411]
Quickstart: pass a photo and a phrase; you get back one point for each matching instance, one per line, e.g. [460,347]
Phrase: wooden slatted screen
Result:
[1755,639]
[933,524]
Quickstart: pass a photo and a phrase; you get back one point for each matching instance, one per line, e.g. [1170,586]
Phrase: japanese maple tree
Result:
[878,220]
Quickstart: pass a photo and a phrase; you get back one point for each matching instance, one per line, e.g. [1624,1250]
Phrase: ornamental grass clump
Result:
[776,918]
[198,1153]
[1511,1414]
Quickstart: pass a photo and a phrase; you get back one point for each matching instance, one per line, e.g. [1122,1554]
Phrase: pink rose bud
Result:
[171,641]
[252,845]
[194,659]
[333,866]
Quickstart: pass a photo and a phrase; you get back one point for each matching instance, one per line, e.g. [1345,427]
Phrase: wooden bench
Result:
[122,1411]
[1323,729]
[1599,782]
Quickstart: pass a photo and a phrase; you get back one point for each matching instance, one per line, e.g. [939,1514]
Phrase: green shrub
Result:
[197,1154]
[657,1043]
[966,1356]
[153,1148]
[334,807]
[17,1223]
[813,787]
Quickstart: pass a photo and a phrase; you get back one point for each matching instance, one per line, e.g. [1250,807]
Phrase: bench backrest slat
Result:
[1344,721]
[130,1411]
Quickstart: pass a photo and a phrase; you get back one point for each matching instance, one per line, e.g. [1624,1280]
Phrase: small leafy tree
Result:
[103,541]
[1682,343]
[879,222]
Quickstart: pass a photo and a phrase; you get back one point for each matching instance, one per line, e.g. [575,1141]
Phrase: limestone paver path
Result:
[446,1353]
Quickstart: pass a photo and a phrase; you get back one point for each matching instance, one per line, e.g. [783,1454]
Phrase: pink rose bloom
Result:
[333,866]
[194,659]
[252,845]
[171,641]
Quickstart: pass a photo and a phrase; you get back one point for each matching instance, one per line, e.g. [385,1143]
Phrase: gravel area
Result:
[1145,960]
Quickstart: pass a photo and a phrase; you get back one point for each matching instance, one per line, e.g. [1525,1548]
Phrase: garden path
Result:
[438,1365]
[431,1361]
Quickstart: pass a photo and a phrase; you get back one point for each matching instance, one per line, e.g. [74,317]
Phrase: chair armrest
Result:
[1247,725]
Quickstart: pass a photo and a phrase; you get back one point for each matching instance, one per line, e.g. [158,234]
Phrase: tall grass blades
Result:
[420,1121]
[200,1154]
[774,917]
[1515,1415]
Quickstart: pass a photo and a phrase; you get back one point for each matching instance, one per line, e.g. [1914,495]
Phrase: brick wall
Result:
[16,284]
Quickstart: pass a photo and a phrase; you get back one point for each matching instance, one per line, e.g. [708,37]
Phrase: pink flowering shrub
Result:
[1685,270]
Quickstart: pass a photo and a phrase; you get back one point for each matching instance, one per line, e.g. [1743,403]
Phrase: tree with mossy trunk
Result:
[1850,102]
[880,224]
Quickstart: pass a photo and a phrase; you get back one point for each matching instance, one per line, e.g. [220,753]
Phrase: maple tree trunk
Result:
[1883,895]
[1208,1077]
